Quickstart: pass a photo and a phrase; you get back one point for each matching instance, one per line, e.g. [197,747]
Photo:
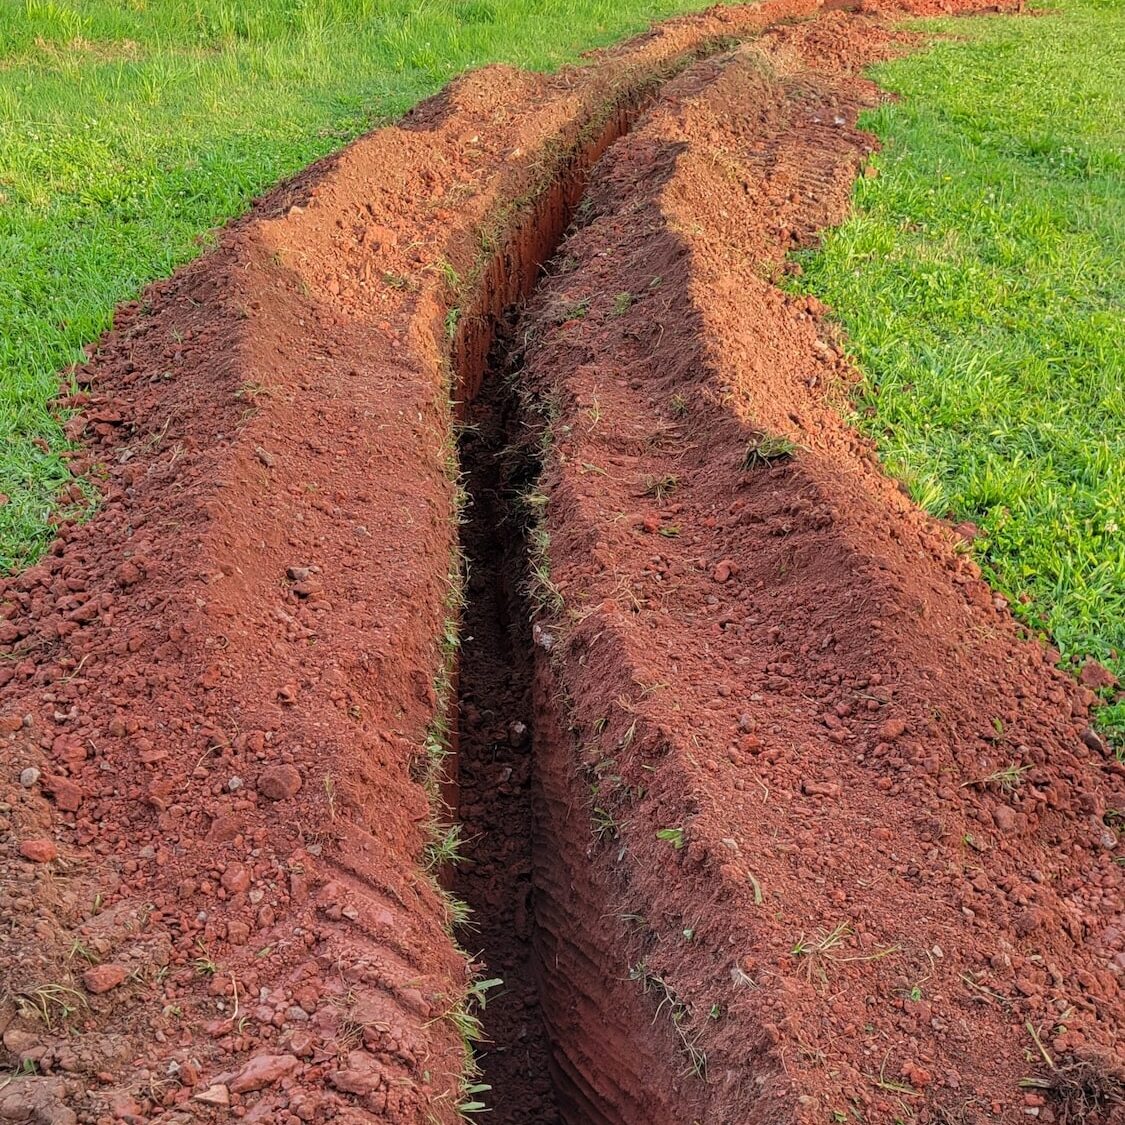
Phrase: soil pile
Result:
[858,834]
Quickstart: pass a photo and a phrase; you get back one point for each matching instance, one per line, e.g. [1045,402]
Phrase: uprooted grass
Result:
[128,132]
[1083,1089]
[981,284]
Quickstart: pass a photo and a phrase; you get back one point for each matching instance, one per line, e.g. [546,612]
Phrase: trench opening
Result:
[496,766]
[494,793]
[568,1038]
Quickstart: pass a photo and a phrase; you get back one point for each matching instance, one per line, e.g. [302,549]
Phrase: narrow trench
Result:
[496,729]
[506,852]
[496,764]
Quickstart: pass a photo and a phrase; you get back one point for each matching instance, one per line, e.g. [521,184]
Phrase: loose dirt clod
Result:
[768,815]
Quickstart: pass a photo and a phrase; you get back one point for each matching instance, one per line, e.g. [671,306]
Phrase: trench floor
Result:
[496,764]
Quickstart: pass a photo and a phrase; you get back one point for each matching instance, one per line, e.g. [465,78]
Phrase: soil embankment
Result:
[849,829]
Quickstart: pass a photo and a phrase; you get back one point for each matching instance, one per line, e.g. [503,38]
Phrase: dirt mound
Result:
[227,701]
[857,832]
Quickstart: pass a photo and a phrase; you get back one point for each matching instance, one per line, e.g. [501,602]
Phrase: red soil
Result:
[852,824]
[217,694]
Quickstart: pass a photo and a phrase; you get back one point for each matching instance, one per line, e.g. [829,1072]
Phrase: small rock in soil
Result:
[724,570]
[821,788]
[1093,740]
[101,978]
[214,1095]
[19,1042]
[29,777]
[264,1071]
[1006,819]
[236,879]
[36,1100]
[39,850]
[67,795]
[279,783]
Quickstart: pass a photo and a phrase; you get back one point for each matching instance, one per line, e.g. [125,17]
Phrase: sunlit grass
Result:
[981,281]
[130,128]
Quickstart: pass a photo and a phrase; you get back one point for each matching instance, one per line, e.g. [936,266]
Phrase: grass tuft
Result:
[767,449]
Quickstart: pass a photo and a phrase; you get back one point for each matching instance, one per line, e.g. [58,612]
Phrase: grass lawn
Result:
[129,129]
[981,281]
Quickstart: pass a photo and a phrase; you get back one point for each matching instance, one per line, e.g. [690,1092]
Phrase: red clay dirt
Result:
[852,825]
[219,695]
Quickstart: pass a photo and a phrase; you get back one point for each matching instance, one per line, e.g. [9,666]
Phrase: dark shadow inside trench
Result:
[496,760]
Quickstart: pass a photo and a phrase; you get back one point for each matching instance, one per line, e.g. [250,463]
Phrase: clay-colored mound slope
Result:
[883,885]
[851,824]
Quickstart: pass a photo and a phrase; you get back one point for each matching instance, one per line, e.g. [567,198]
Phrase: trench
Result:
[537,1054]
[496,775]
[496,769]
[568,1038]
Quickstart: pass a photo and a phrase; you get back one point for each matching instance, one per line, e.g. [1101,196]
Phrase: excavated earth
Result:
[483,485]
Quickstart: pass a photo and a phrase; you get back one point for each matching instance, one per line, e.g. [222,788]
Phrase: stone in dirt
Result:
[1094,740]
[724,570]
[893,728]
[217,1094]
[361,1077]
[20,1042]
[263,1071]
[39,850]
[67,794]
[236,878]
[279,783]
[102,978]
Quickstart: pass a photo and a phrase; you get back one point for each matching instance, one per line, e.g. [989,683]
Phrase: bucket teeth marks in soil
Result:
[834,792]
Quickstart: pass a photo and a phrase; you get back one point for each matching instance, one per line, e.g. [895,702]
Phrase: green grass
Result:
[981,281]
[130,129]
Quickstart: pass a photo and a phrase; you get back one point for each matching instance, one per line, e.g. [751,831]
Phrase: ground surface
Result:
[771,811]
[982,286]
